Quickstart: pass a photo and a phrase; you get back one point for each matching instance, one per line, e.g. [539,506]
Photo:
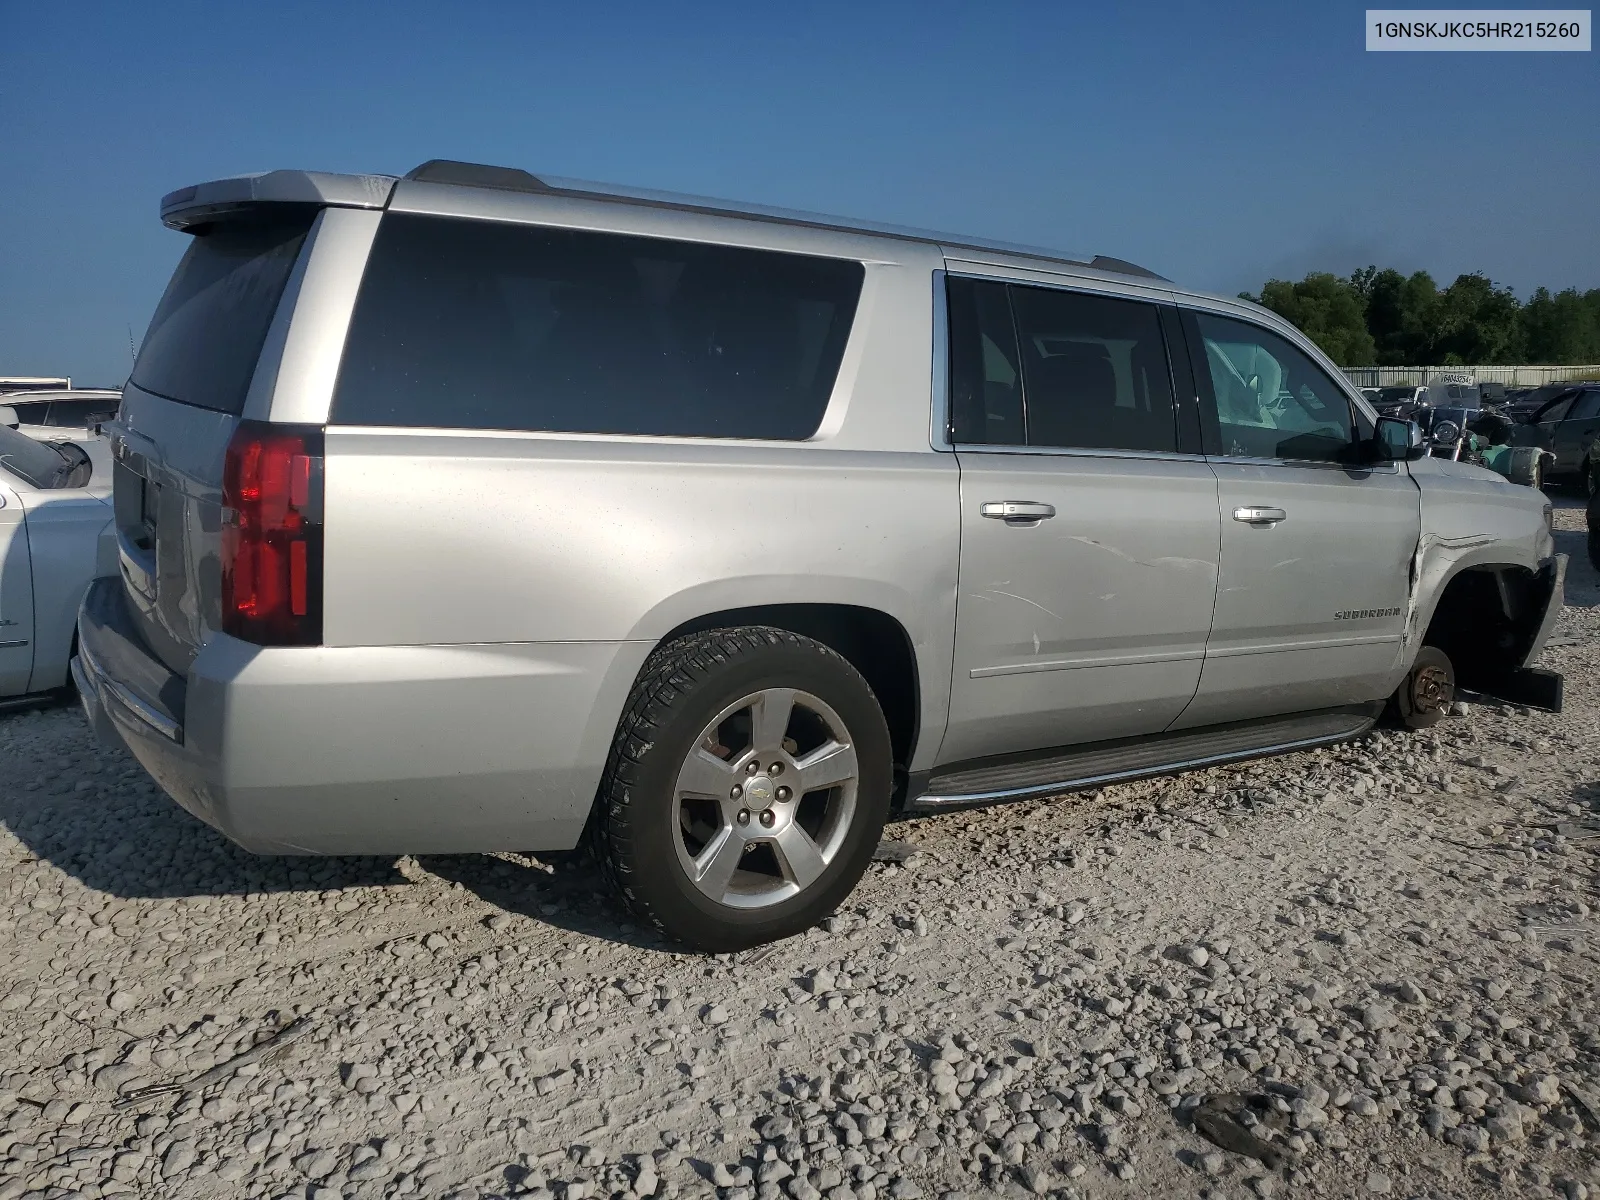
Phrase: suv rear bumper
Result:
[363,749]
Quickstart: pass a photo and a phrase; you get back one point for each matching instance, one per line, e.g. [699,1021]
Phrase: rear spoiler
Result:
[188,208]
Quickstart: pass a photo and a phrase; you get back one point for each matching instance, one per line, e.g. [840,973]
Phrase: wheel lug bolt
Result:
[751,767]
[744,816]
[775,769]
[766,818]
[738,790]
[784,793]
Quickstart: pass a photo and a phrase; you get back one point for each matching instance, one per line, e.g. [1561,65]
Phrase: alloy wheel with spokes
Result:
[748,785]
[765,797]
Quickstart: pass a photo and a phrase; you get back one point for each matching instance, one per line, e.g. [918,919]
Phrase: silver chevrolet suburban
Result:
[478,511]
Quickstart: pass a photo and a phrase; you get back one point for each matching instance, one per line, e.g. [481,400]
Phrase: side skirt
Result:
[1045,773]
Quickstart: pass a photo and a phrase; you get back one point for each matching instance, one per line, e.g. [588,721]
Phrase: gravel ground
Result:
[1376,958]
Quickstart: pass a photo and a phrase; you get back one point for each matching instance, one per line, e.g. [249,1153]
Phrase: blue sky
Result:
[1217,144]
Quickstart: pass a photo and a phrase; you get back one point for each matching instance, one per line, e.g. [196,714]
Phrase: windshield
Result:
[43,464]
[1397,395]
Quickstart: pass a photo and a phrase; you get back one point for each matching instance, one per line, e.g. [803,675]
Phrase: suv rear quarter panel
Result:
[451,537]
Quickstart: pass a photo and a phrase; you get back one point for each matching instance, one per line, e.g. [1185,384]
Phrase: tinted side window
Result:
[1268,399]
[1557,410]
[481,325]
[73,414]
[1094,371]
[1586,407]
[985,375]
[207,333]
[31,414]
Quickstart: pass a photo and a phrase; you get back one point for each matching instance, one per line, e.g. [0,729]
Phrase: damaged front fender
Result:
[1486,586]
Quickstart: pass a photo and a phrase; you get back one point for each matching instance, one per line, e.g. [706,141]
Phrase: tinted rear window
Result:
[480,325]
[208,329]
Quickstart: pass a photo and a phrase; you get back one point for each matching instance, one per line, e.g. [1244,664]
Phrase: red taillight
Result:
[272,535]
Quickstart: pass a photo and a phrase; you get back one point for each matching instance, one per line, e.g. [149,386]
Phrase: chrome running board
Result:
[990,781]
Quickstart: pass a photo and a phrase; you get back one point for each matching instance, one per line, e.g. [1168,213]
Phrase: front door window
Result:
[1269,400]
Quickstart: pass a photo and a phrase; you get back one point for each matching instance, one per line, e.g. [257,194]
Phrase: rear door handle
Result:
[1019,512]
[1254,514]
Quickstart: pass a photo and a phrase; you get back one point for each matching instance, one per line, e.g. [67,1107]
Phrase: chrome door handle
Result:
[1017,511]
[1256,515]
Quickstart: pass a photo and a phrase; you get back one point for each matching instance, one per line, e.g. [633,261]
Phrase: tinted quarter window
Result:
[1094,371]
[482,325]
[208,330]
[985,377]
[1268,399]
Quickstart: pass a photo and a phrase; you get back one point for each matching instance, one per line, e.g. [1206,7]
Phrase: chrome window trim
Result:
[1078,452]
[1314,464]
[1114,289]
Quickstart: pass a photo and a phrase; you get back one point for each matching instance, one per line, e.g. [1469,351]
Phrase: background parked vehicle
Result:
[1566,425]
[1530,400]
[55,535]
[1400,400]
[69,412]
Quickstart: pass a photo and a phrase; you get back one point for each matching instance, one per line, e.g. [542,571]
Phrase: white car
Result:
[63,412]
[56,535]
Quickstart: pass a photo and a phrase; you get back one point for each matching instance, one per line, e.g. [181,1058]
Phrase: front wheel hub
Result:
[1431,690]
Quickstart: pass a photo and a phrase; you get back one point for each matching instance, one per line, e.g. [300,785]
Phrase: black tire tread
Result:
[671,673]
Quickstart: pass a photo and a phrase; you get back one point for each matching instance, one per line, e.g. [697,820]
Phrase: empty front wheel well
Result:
[872,641]
[1486,620]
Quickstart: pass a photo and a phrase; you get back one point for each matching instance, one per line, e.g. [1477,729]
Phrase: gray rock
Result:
[317,1164]
[1544,1088]
[177,1160]
[1378,1016]
[1036,1179]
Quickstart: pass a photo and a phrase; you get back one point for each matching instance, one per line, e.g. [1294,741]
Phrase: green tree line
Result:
[1384,318]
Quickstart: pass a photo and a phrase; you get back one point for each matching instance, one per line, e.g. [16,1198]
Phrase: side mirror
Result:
[1396,439]
[8,416]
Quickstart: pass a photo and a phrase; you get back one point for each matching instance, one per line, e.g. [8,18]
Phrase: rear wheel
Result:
[1591,478]
[747,787]
[1425,695]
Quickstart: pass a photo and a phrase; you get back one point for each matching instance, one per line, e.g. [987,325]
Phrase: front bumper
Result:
[363,749]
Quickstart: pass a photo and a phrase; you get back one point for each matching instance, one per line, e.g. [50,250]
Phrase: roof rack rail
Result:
[1122,266]
[514,179]
[466,174]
